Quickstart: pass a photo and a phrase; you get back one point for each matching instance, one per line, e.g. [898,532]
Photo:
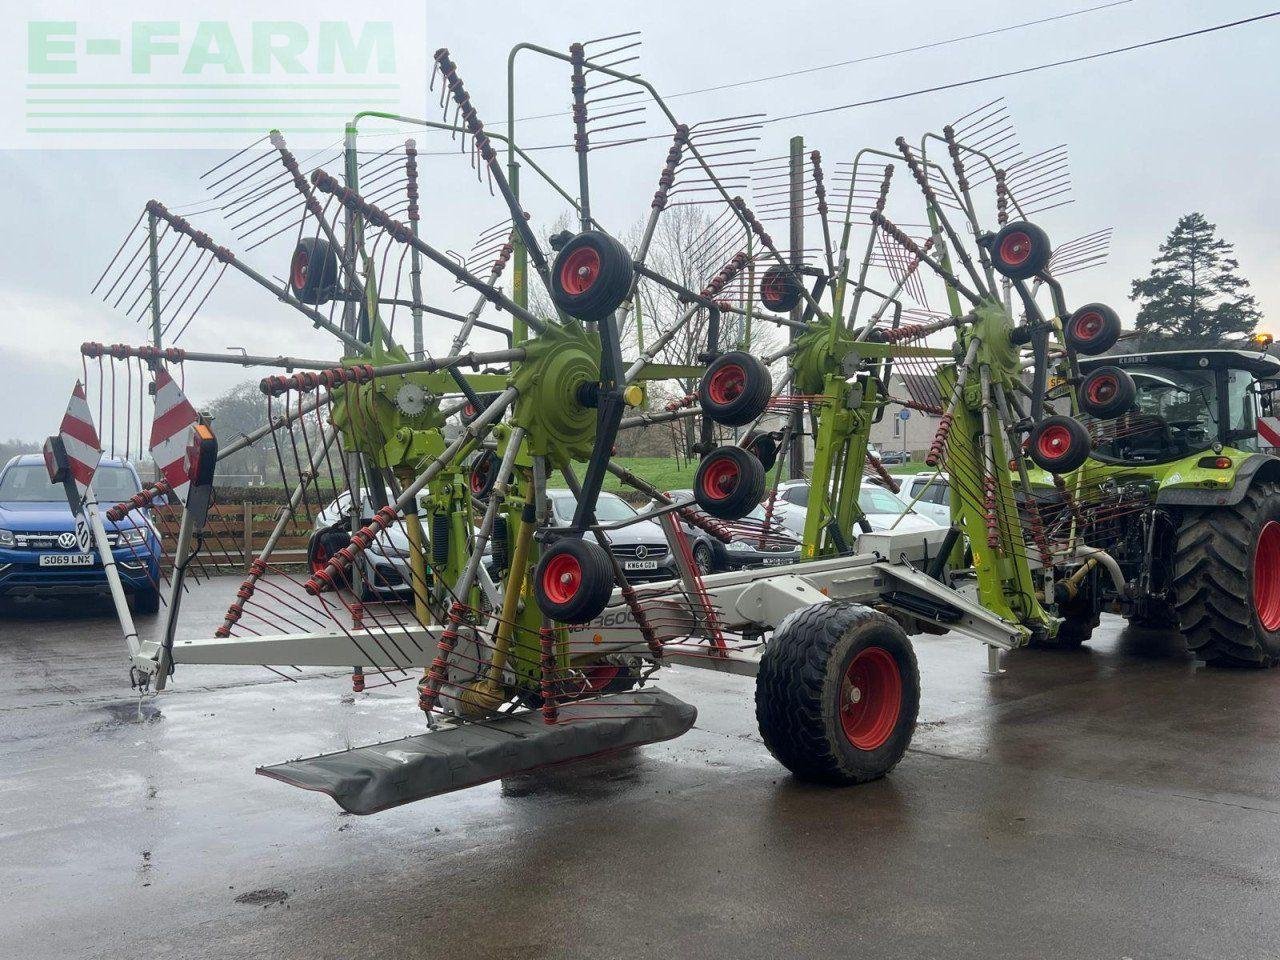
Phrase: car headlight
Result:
[738,546]
[6,538]
[131,536]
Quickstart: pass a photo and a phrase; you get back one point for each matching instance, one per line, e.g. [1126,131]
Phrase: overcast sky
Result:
[1152,134]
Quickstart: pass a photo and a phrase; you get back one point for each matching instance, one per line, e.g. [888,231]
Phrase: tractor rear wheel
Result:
[1226,580]
[837,693]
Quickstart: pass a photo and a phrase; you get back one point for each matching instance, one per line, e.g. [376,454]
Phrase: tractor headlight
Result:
[6,538]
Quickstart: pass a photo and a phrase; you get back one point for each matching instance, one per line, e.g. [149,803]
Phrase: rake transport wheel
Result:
[313,270]
[591,277]
[483,475]
[1106,392]
[764,447]
[1093,329]
[1020,250]
[838,693]
[729,483]
[735,389]
[779,289]
[573,581]
[1226,580]
[1058,444]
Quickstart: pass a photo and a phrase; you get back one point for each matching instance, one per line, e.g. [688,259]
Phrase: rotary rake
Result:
[434,559]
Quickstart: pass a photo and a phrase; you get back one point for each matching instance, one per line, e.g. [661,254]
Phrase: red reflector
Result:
[1214,463]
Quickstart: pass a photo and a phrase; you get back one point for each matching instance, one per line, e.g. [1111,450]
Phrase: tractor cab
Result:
[1186,402]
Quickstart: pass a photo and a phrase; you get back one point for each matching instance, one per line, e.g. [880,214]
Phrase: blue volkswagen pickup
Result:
[38,551]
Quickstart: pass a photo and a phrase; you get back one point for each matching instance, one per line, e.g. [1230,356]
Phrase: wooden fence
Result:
[235,532]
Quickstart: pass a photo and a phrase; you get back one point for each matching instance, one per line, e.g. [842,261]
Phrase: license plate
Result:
[640,565]
[66,560]
[775,561]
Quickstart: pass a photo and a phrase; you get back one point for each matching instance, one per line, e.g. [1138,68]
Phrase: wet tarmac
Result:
[1116,802]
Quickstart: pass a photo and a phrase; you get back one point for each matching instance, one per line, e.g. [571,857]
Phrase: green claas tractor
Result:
[1177,491]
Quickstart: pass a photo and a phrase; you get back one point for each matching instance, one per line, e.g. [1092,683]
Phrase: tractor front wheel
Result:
[1226,580]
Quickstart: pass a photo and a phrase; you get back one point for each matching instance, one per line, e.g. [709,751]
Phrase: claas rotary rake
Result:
[434,558]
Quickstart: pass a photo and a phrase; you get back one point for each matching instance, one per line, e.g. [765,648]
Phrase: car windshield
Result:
[798,495]
[608,508]
[875,500]
[29,483]
[1174,413]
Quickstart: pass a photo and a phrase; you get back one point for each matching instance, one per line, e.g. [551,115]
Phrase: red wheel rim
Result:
[727,384]
[1088,326]
[773,289]
[319,557]
[870,698]
[562,578]
[1015,249]
[1102,390]
[1054,443]
[720,477]
[600,675]
[298,268]
[480,475]
[579,271]
[1266,576]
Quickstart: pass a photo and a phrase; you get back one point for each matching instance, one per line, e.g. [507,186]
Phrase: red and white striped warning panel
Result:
[1269,431]
[171,433]
[80,438]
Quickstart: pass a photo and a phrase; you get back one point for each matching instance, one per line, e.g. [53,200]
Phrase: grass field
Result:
[665,473]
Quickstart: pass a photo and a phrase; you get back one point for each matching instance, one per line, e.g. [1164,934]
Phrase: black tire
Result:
[1106,392]
[591,276]
[1092,330]
[805,678]
[735,389]
[1059,444]
[1226,580]
[483,475]
[323,545]
[1020,250]
[764,447]
[1080,616]
[780,289]
[729,483]
[313,271]
[573,581]
[146,601]
[704,558]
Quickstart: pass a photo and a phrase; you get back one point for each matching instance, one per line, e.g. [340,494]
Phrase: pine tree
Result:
[1193,295]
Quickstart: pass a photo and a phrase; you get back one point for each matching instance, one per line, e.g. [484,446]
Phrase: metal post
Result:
[519,265]
[153,249]
[796,456]
[109,568]
[415,256]
[350,316]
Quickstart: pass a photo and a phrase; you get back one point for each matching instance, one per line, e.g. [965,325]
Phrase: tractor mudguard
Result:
[1222,496]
